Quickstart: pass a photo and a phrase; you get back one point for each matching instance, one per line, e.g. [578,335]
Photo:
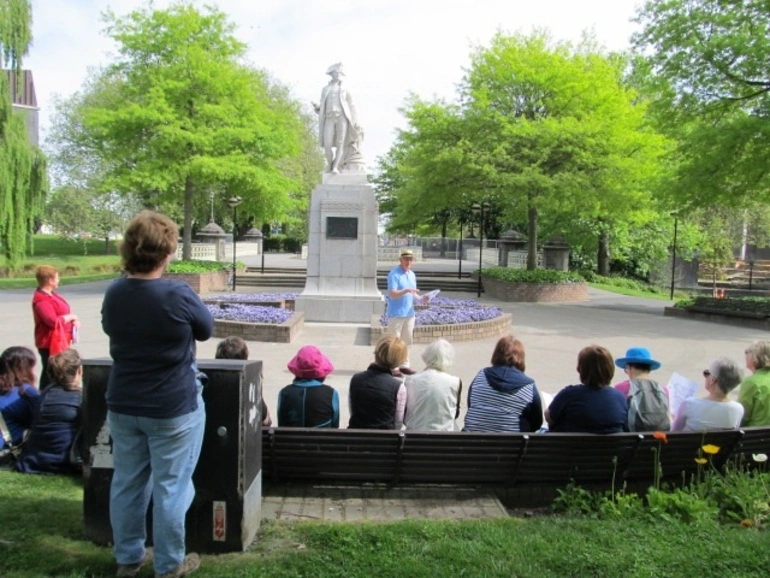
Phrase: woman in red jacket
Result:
[48,307]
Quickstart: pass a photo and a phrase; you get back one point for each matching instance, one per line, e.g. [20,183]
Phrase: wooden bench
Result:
[524,470]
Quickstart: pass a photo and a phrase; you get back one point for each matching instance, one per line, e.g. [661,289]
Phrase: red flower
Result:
[659,435]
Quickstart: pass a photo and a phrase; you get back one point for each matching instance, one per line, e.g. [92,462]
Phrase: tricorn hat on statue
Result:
[336,68]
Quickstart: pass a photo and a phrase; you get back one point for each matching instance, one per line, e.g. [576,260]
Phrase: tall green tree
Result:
[706,62]
[541,128]
[191,118]
[23,179]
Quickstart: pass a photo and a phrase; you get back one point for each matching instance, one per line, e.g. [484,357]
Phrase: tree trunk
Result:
[603,256]
[532,233]
[443,236]
[106,244]
[187,235]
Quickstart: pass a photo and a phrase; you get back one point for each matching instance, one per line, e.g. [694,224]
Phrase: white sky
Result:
[389,48]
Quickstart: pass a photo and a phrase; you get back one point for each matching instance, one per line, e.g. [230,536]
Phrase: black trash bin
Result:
[226,512]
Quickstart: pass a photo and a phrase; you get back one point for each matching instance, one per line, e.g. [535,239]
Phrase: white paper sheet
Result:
[679,389]
[430,295]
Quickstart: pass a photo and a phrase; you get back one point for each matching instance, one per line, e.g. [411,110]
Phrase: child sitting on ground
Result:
[49,447]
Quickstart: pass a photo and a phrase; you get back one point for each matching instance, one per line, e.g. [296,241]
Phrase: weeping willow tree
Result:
[23,176]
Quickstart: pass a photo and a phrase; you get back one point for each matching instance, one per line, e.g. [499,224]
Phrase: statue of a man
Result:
[339,132]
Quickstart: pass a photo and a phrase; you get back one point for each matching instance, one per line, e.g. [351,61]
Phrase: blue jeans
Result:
[153,457]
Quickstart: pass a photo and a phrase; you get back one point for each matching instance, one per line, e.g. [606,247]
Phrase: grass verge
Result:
[31,283]
[41,535]
[661,295]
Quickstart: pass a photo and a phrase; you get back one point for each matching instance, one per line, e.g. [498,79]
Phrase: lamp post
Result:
[460,253]
[673,256]
[478,209]
[234,202]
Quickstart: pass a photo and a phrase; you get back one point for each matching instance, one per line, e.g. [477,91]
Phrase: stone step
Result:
[380,272]
[425,283]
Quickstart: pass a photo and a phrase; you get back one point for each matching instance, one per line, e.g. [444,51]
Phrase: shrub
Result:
[537,276]
[679,504]
[273,244]
[292,244]
[197,266]
[744,304]
[590,276]
[622,282]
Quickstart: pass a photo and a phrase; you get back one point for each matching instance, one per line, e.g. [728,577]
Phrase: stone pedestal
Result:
[556,254]
[341,283]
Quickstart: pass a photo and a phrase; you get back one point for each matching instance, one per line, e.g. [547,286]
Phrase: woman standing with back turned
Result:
[155,410]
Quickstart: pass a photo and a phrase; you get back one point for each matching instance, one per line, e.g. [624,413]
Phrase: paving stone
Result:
[354,513]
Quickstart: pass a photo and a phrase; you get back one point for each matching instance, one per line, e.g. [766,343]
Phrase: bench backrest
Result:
[497,459]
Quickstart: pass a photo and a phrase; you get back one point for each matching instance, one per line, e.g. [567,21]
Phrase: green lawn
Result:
[76,261]
[662,294]
[41,535]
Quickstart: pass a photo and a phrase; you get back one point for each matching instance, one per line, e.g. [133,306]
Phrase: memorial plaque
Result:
[341,227]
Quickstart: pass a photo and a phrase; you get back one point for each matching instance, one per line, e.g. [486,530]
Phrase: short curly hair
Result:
[509,351]
[759,353]
[45,274]
[390,352]
[232,347]
[595,366]
[148,241]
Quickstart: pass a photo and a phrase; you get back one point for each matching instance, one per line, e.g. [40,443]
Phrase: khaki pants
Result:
[403,328]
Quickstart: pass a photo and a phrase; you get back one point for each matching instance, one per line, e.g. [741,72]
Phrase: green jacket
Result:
[755,398]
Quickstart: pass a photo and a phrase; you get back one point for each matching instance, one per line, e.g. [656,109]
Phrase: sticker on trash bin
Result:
[220,521]
[253,405]
[101,451]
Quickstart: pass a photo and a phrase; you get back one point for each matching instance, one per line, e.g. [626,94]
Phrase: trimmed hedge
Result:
[283,244]
[537,276]
[733,304]
[198,266]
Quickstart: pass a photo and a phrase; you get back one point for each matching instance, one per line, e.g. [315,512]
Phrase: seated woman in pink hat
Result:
[308,402]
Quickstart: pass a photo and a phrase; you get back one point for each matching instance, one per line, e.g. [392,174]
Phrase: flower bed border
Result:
[534,292]
[722,318]
[269,332]
[278,303]
[471,331]
[208,282]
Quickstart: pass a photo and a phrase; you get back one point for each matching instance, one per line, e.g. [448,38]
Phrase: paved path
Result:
[376,502]
[552,334]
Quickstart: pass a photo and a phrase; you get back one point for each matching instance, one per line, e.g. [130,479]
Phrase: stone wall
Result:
[199,251]
[388,254]
[535,292]
[457,332]
[283,333]
[209,282]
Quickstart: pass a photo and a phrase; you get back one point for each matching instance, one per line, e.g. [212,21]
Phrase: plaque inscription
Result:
[341,227]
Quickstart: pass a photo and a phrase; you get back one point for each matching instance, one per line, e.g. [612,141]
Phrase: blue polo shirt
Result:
[400,279]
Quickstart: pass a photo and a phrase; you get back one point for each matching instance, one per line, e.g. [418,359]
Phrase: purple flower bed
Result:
[449,302]
[453,315]
[251,313]
[255,296]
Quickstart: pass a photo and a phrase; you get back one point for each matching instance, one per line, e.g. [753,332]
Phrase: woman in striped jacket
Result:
[502,397]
